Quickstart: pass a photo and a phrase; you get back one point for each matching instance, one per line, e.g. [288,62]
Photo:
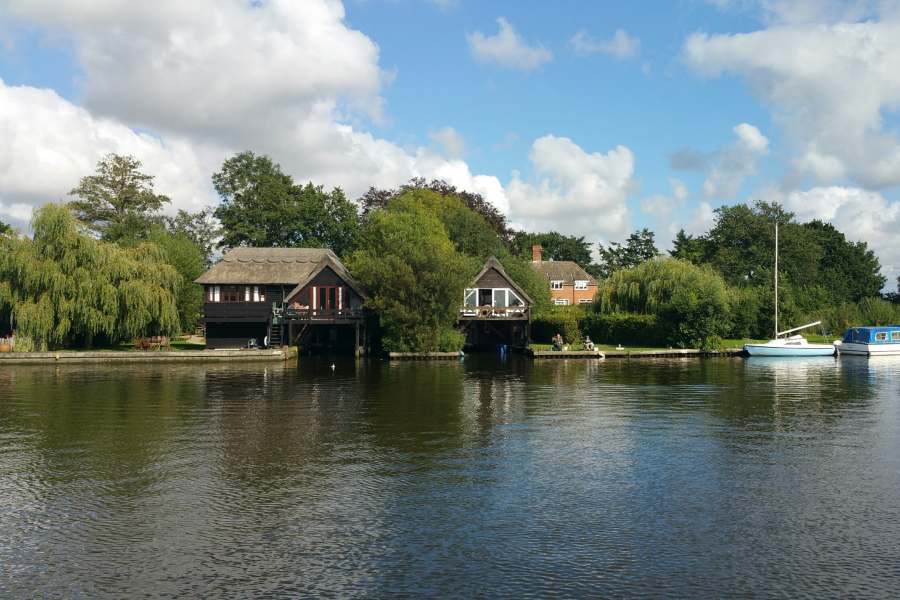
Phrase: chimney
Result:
[536,253]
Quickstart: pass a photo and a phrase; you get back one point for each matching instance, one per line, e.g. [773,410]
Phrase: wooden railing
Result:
[494,312]
[318,314]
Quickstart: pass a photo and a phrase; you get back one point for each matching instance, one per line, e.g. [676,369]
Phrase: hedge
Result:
[622,328]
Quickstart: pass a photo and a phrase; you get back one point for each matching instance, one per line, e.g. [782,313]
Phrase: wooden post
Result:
[356,344]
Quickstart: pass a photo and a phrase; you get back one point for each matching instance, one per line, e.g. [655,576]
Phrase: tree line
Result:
[414,248]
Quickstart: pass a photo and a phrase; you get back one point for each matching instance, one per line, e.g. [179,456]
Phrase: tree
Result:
[690,302]
[118,201]
[688,247]
[201,227]
[554,246]
[414,276]
[378,199]
[637,249]
[63,288]
[851,270]
[5,229]
[186,256]
[261,206]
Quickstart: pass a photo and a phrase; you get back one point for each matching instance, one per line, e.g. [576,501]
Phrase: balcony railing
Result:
[310,314]
[494,312]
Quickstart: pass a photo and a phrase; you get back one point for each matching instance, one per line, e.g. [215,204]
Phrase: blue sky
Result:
[590,118]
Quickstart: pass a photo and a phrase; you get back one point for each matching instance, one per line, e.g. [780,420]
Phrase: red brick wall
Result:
[572,295]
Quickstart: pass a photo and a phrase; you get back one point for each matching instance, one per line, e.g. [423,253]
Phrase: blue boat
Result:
[871,341]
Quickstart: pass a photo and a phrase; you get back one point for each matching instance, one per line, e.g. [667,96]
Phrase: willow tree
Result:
[691,303]
[64,288]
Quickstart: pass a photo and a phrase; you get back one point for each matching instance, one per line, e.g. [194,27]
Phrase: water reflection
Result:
[463,478]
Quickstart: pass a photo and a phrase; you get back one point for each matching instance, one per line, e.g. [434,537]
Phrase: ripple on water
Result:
[480,478]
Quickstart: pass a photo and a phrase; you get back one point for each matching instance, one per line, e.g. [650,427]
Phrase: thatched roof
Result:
[563,270]
[267,266]
[493,263]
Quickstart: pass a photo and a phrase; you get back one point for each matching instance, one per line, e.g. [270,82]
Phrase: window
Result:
[556,284]
[881,336]
[470,298]
[561,302]
[213,293]
[232,293]
[581,284]
[895,336]
[584,301]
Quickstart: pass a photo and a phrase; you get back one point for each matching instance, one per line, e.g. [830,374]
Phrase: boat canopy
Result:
[888,334]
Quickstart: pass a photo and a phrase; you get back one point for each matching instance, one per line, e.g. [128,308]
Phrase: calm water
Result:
[662,478]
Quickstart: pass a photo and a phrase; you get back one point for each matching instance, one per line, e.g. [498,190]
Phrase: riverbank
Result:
[175,356]
[643,353]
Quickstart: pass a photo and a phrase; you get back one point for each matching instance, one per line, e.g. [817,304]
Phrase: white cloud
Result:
[576,192]
[829,87]
[620,45]
[861,215]
[507,49]
[679,190]
[49,144]
[451,141]
[207,78]
[731,165]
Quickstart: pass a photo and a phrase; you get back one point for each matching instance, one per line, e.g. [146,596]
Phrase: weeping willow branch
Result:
[63,287]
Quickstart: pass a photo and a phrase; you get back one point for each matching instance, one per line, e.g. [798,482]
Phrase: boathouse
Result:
[495,310]
[276,296]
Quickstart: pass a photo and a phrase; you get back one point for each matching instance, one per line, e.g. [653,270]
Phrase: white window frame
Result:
[557,284]
[584,301]
[561,301]
[215,293]
[581,284]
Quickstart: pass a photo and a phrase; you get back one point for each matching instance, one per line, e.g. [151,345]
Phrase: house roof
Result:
[330,261]
[493,263]
[266,266]
[563,270]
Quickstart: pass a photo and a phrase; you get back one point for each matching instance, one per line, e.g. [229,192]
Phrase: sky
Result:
[588,118]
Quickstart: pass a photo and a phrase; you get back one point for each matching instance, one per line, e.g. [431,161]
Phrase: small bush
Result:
[451,340]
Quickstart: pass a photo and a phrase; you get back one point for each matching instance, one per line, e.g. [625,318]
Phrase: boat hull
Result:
[771,350]
[858,349]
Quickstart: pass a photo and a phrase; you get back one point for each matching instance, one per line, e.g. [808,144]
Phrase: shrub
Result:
[557,319]
[629,329]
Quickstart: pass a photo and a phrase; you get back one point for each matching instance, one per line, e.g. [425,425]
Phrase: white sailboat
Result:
[795,345]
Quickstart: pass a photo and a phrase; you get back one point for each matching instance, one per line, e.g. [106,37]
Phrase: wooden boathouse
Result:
[496,310]
[274,296]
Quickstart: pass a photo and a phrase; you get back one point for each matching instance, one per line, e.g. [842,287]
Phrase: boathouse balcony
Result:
[318,315]
[494,313]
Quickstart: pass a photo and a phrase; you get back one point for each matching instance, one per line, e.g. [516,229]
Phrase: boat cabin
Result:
[271,296]
[871,340]
[495,309]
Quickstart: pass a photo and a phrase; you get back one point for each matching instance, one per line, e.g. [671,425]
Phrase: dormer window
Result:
[581,284]
[556,284]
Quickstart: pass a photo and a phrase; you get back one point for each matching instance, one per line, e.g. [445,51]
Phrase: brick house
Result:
[569,283]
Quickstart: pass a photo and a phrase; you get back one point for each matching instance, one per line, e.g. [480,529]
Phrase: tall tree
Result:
[415,278]
[688,247]
[378,198]
[554,246]
[63,288]
[186,256]
[118,201]
[637,249]
[4,228]
[851,269]
[200,227]
[262,206]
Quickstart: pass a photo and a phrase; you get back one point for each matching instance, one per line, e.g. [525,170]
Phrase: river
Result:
[663,478]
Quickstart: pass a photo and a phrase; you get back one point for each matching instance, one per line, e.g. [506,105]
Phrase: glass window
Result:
[500,298]
[895,336]
[556,284]
[881,336]
[581,284]
[470,298]
[561,302]
[232,293]
[584,301]
[514,299]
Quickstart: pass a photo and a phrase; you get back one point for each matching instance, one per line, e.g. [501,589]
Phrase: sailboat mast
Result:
[776,279]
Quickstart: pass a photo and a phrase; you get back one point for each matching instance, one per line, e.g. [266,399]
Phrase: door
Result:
[328,298]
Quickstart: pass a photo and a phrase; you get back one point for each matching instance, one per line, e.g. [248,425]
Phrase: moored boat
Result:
[796,345]
[872,341]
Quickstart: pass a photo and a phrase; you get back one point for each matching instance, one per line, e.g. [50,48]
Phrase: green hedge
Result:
[558,319]
[623,328]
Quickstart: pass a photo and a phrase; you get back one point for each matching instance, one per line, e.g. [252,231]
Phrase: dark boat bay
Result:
[679,478]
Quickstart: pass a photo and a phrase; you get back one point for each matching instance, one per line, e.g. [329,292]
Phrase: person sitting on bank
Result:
[588,344]
[557,342]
